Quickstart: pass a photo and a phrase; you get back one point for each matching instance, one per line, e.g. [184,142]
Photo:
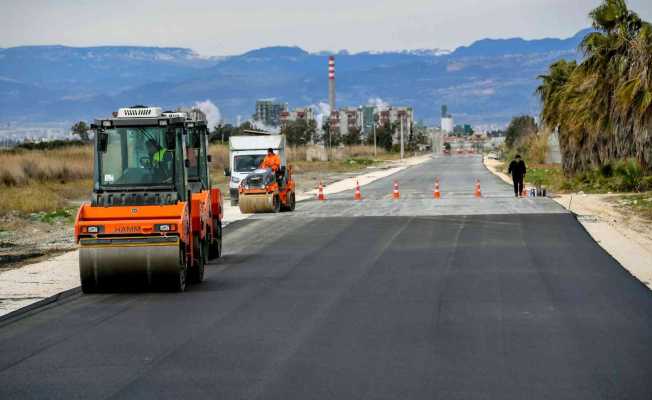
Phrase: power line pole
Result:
[374,129]
[330,146]
[402,148]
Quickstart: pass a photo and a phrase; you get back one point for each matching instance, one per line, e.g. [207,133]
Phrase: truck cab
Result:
[246,153]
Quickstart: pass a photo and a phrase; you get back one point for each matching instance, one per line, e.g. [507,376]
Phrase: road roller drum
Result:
[157,263]
[259,203]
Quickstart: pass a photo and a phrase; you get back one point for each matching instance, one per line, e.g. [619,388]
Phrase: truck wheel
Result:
[199,267]
[293,202]
[215,248]
[290,203]
[177,281]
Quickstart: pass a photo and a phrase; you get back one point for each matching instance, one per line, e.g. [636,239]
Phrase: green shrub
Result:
[607,170]
[629,175]
[361,161]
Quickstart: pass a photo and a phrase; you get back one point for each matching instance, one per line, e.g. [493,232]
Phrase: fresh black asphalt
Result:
[519,306]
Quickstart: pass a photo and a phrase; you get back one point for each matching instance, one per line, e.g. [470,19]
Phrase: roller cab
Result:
[137,228]
[265,191]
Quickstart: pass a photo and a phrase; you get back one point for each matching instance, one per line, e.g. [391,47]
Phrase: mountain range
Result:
[486,82]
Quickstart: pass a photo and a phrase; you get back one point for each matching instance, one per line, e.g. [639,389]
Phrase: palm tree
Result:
[602,107]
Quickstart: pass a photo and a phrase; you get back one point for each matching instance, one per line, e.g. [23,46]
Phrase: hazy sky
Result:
[229,27]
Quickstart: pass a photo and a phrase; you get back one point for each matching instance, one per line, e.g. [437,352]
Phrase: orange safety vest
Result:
[273,162]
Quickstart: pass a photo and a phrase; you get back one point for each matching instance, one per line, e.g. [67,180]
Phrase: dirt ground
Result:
[608,208]
[29,239]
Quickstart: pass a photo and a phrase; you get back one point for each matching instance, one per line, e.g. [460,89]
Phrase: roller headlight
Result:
[165,228]
[92,229]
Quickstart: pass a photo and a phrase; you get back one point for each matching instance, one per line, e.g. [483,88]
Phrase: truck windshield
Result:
[136,156]
[248,163]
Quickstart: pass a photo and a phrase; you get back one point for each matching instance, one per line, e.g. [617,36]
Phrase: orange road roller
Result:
[138,228]
[265,191]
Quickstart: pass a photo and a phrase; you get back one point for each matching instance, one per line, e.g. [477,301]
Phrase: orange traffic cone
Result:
[437,193]
[320,193]
[396,194]
[478,192]
[358,195]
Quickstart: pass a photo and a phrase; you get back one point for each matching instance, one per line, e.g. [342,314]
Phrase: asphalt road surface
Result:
[492,298]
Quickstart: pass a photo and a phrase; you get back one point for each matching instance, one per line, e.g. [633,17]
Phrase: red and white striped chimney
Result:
[331,82]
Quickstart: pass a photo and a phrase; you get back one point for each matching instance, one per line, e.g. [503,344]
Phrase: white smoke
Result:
[378,103]
[321,111]
[261,126]
[213,114]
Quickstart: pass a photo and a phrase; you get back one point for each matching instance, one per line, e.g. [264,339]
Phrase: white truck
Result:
[246,153]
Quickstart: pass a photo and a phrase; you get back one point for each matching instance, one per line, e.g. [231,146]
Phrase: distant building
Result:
[392,115]
[346,119]
[269,112]
[306,114]
[554,152]
[447,124]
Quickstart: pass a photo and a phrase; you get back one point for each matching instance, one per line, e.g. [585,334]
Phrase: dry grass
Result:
[25,167]
[362,151]
[37,197]
[220,154]
[296,153]
[44,180]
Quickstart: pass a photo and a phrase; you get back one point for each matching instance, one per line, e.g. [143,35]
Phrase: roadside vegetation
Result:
[600,109]
[602,106]
[532,143]
[44,180]
[639,204]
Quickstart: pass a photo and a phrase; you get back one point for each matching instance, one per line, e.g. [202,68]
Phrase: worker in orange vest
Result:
[271,161]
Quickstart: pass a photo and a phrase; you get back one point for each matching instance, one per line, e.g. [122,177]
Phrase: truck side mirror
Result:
[170,139]
[227,171]
[102,141]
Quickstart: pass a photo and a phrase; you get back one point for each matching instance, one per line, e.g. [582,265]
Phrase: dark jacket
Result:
[517,168]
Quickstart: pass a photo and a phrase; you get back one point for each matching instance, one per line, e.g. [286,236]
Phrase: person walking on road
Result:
[517,169]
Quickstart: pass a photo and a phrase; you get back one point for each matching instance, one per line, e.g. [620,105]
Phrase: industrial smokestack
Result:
[331,82]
